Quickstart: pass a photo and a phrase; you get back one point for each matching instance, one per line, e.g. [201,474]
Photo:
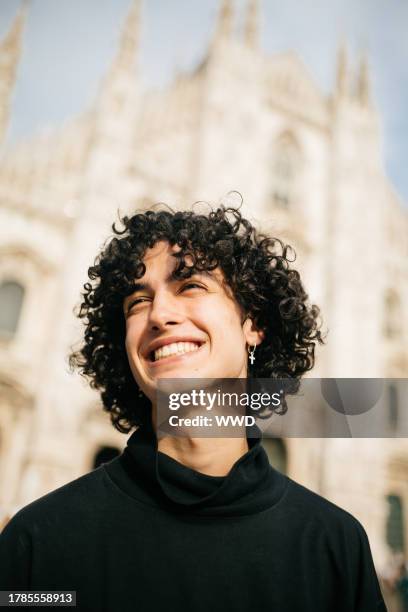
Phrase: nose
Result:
[164,312]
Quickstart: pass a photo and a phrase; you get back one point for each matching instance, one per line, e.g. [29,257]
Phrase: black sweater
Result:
[146,533]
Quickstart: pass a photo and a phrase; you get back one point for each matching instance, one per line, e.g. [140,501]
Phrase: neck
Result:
[211,456]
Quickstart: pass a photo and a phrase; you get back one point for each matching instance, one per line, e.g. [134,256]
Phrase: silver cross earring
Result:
[251,351]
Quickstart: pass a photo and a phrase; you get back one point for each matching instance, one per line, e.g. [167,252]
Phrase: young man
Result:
[184,522]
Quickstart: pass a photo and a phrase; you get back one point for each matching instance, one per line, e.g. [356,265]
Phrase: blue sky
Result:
[69,43]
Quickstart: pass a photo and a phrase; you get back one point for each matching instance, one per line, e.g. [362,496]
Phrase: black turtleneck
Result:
[146,533]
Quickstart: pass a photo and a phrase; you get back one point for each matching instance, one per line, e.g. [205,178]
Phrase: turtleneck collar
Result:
[153,477]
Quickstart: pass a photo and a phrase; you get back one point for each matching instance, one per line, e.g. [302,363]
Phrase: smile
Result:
[176,348]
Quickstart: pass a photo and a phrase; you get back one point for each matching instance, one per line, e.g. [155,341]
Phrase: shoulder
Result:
[334,534]
[331,518]
[74,499]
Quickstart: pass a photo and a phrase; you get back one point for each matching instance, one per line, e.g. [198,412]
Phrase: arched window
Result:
[104,455]
[276,451]
[395,524]
[11,301]
[285,171]
[392,314]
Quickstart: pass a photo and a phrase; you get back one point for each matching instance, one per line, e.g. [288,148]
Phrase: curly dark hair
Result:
[255,266]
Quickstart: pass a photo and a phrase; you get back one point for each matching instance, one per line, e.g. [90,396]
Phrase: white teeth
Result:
[176,348]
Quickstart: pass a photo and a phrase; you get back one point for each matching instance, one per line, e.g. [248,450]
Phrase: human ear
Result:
[252,334]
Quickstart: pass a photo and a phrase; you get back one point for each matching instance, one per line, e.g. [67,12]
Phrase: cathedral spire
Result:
[10,51]
[363,81]
[225,21]
[251,29]
[126,56]
[117,103]
[342,71]
[119,86]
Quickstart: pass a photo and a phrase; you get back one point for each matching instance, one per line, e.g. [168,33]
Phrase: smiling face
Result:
[190,328]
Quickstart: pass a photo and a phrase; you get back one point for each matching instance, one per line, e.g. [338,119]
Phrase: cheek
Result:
[132,339]
[228,330]
[131,346]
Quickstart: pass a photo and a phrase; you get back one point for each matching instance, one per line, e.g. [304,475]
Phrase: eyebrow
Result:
[170,278]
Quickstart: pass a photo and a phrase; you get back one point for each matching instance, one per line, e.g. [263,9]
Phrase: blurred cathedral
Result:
[311,171]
